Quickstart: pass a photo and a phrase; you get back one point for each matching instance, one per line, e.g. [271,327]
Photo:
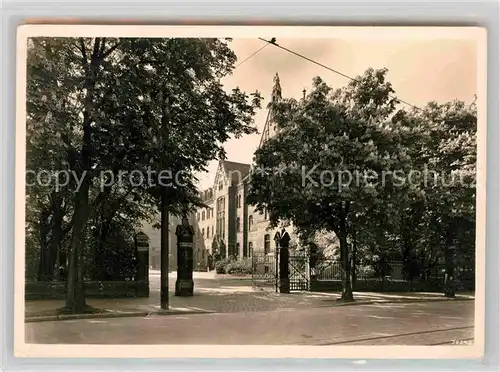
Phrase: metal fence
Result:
[330,269]
[299,273]
[327,275]
[264,270]
[394,274]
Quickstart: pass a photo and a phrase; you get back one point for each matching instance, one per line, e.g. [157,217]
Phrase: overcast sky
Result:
[420,71]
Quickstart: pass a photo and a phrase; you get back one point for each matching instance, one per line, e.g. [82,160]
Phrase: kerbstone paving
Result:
[229,295]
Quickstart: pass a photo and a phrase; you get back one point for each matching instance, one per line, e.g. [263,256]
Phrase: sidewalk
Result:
[223,299]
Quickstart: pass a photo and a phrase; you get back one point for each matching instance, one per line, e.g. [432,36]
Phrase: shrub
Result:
[232,266]
[239,267]
[365,271]
[220,266]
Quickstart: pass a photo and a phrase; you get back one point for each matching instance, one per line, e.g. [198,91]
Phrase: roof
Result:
[207,195]
[235,171]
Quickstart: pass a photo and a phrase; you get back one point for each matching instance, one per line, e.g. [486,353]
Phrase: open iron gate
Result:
[265,271]
[299,272]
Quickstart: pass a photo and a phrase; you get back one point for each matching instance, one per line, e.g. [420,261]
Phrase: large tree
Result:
[390,184]
[130,104]
[441,214]
[332,147]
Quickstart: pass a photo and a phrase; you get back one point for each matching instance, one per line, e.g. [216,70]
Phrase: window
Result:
[220,204]
[237,253]
[267,243]
[203,232]
[250,249]
[198,216]
[238,224]
[203,216]
[208,232]
[221,185]
[265,214]
[239,201]
[212,231]
[250,222]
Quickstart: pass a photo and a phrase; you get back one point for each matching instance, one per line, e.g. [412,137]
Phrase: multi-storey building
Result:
[229,226]
[226,225]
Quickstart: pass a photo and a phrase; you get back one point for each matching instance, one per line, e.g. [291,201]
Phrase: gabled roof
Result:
[235,171]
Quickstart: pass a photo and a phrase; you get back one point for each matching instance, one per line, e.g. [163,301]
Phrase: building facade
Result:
[200,253]
[226,226]
[230,227]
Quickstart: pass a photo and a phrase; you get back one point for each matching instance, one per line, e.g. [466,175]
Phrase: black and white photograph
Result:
[250,190]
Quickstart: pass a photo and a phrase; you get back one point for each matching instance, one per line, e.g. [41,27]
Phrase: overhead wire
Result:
[273,42]
[251,55]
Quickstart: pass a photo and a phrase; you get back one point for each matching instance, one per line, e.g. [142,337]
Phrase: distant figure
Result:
[210,262]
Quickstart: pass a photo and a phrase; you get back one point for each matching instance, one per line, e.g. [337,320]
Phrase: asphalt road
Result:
[425,323]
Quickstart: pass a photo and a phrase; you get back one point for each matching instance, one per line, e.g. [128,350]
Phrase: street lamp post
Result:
[164,207]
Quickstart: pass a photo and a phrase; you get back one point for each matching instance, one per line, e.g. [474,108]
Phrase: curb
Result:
[129,314]
[49,318]
[407,301]
[232,277]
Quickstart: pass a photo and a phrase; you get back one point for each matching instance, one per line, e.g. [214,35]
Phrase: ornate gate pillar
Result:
[284,256]
[184,285]
[142,274]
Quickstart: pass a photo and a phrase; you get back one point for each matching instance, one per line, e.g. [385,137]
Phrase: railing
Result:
[330,269]
[327,270]
[393,275]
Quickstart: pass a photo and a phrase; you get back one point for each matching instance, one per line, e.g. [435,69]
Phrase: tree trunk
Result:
[449,263]
[165,223]
[353,261]
[43,263]
[102,235]
[164,250]
[75,296]
[102,220]
[346,277]
[82,164]
[57,235]
[55,246]
[345,258]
